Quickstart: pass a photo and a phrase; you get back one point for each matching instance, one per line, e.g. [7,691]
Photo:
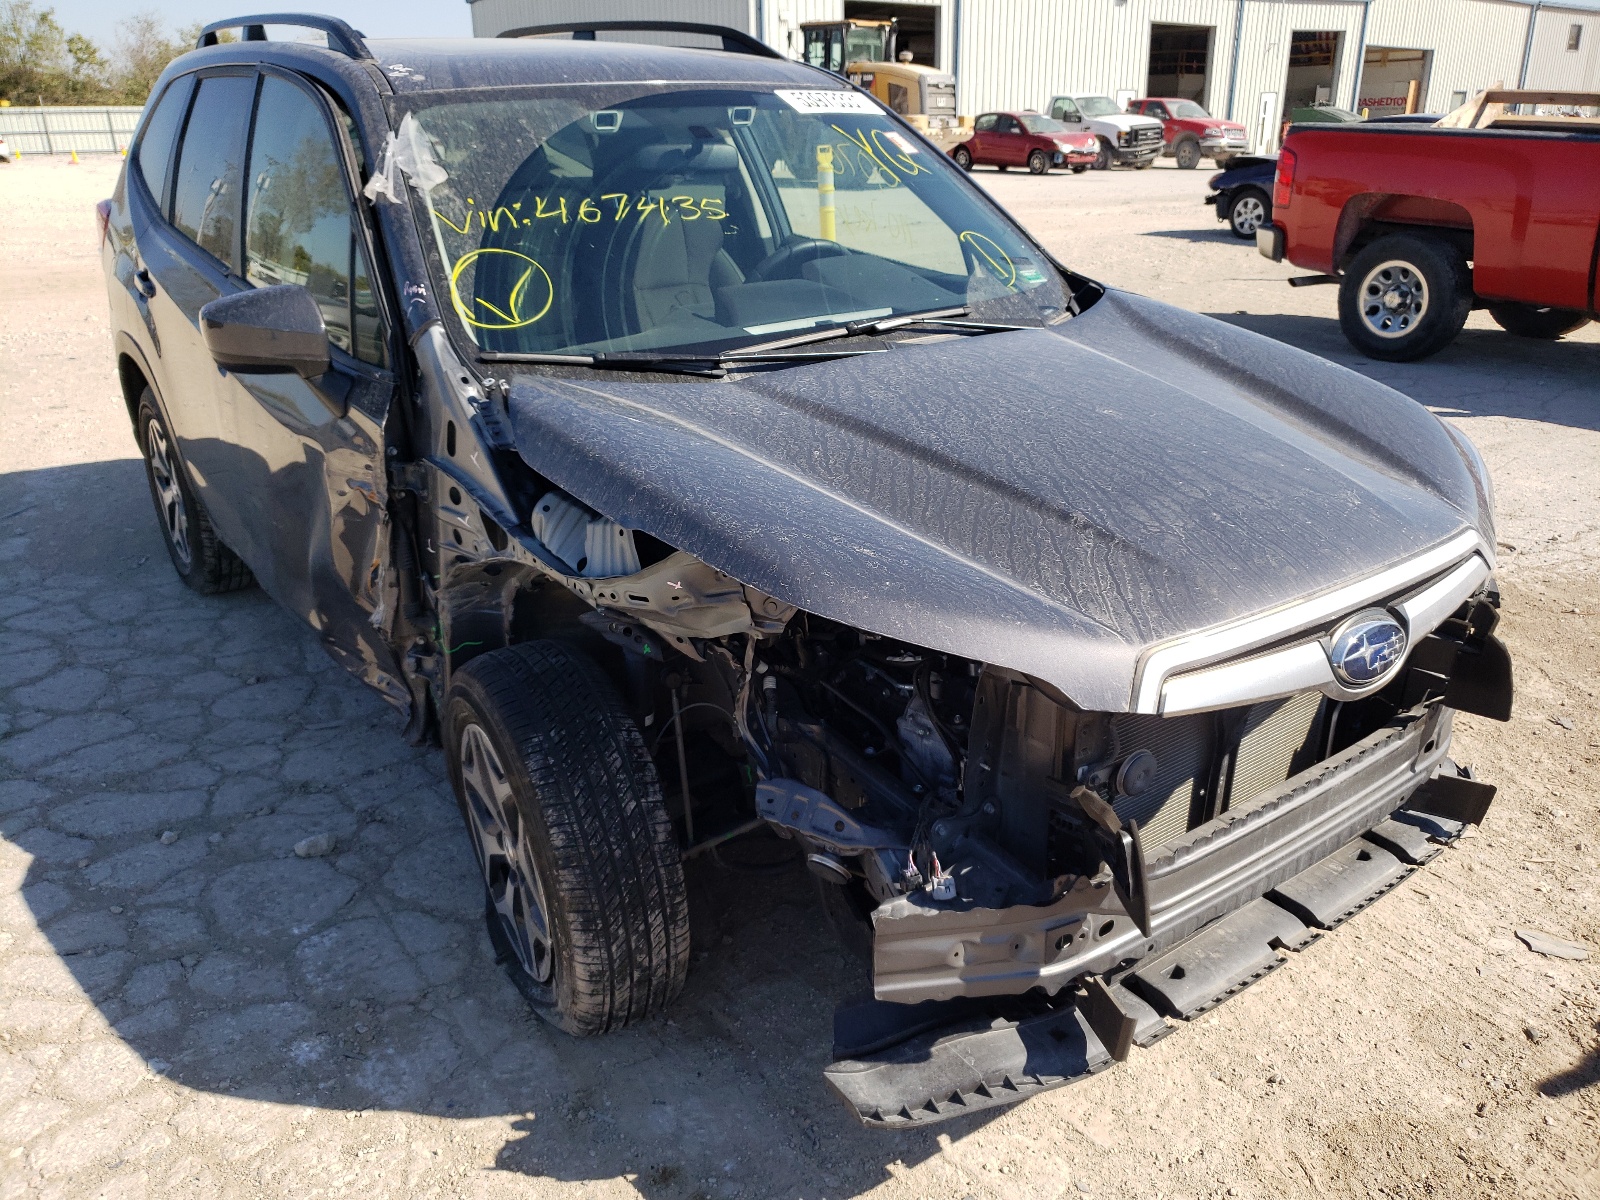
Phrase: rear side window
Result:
[161,135]
[985,123]
[205,192]
[298,224]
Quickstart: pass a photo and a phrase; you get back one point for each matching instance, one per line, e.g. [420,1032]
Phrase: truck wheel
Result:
[1532,321]
[1247,212]
[1038,164]
[1102,161]
[963,157]
[1144,164]
[1404,297]
[1079,170]
[197,553]
[583,882]
[1187,152]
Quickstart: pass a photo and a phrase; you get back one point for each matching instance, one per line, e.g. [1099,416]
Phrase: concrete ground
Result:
[204,1014]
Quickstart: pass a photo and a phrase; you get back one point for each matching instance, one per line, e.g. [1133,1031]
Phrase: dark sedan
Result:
[1242,195]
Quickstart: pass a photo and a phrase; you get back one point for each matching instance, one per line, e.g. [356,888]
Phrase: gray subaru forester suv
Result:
[677,438]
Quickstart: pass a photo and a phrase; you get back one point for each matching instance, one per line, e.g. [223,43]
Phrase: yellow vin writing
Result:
[529,298]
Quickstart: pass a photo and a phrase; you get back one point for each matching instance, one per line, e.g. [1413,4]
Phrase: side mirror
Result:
[271,330]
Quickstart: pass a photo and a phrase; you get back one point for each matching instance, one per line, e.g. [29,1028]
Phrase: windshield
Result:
[1098,106]
[1189,109]
[628,218]
[1038,124]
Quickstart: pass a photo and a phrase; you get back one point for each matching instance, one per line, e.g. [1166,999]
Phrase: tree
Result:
[40,63]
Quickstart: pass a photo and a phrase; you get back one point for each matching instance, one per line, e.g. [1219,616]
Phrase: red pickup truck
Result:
[1497,206]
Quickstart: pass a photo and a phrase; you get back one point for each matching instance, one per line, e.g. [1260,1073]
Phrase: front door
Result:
[307,456]
[1011,142]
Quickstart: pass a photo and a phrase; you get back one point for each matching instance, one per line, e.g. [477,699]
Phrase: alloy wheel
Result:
[169,494]
[1394,298]
[1249,215]
[500,837]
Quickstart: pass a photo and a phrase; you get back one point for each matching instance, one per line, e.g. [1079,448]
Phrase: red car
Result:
[1025,139]
[1191,133]
[1419,224]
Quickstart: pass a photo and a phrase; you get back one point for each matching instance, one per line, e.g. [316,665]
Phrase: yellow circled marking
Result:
[511,316]
[1000,262]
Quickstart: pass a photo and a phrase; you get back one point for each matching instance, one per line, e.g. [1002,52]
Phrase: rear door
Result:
[306,457]
[190,260]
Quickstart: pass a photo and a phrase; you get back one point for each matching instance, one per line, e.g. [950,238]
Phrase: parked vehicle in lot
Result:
[689,448]
[864,52]
[1190,133]
[1419,224]
[1125,139]
[1025,139]
[5,151]
[1242,194]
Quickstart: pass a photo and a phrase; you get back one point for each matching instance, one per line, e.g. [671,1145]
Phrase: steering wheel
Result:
[785,261]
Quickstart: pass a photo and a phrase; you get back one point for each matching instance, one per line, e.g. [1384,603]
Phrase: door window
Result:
[1007,125]
[160,136]
[299,227]
[1065,110]
[205,193]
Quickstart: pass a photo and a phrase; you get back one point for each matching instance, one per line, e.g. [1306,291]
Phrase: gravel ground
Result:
[189,1010]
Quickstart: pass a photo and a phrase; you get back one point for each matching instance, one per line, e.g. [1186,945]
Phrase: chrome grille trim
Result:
[1232,681]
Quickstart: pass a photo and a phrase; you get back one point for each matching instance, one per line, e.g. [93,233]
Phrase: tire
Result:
[1103,161]
[1001,167]
[963,157]
[1038,163]
[1532,321]
[1145,165]
[1221,161]
[198,555]
[1079,170]
[1248,211]
[1404,297]
[1187,152]
[583,880]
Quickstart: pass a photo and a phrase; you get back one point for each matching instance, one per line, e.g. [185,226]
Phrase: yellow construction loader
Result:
[863,51]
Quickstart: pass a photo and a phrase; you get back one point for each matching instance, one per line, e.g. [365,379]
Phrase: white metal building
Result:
[1252,60]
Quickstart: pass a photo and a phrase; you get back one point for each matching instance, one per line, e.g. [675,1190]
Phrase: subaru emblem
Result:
[1366,648]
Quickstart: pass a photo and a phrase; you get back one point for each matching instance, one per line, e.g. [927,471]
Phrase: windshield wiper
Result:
[943,318]
[712,366]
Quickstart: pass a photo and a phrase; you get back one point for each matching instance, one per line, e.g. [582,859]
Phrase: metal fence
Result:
[54,129]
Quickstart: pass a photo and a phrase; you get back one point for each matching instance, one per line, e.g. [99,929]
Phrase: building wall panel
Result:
[1551,64]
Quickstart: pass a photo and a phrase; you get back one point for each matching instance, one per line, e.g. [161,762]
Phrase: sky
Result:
[98,19]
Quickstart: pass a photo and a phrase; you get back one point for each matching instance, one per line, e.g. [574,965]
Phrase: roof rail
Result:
[733,41]
[340,36]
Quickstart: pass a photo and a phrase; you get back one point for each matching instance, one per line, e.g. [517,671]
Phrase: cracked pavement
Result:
[189,1008]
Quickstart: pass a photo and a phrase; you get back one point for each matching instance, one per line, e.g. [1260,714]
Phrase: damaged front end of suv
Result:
[1092,653]
[744,468]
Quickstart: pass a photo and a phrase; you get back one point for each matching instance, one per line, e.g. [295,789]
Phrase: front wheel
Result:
[583,881]
[1405,297]
[1145,165]
[1532,321]
[1080,169]
[1102,161]
[963,157]
[1187,154]
[1038,163]
[1248,212]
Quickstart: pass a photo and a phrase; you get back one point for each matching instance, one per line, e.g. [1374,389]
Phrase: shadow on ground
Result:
[131,707]
[1465,378]
[1584,1074]
[1220,235]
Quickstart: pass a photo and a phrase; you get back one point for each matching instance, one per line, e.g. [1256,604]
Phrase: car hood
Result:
[1054,501]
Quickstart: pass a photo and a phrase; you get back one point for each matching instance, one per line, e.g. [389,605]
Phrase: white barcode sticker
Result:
[828,102]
